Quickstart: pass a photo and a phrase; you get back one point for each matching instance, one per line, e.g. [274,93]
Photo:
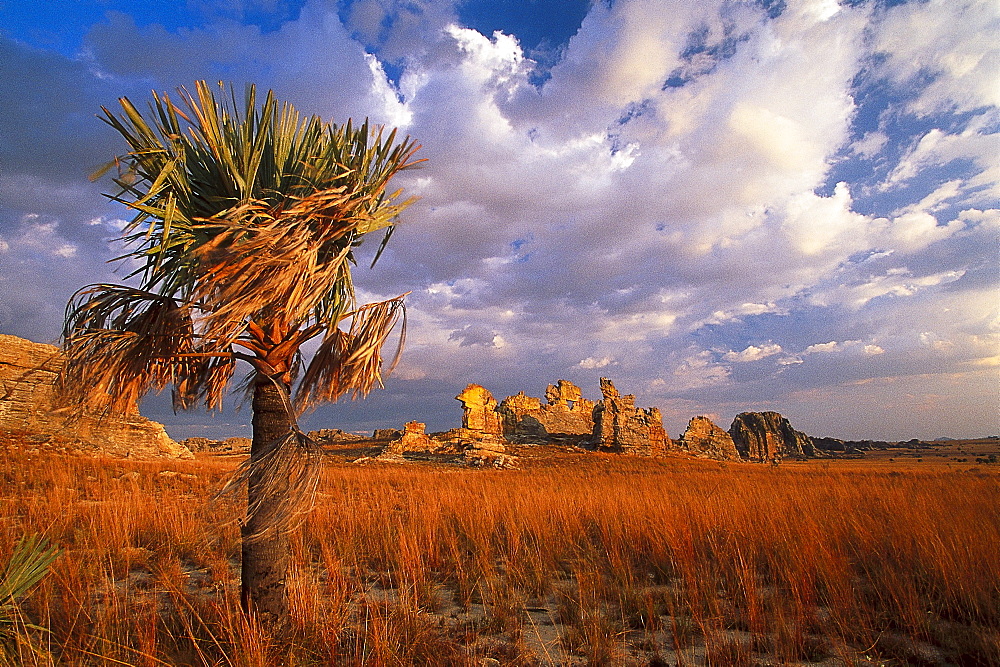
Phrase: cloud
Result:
[40,268]
[752,353]
[698,370]
[473,334]
[822,347]
[691,179]
[590,362]
[949,42]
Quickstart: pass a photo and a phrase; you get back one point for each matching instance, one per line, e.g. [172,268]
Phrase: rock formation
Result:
[234,445]
[565,413]
[848,446]
[480,411]
[768,437]
[619,426]
[565,394]
[520,417]
[412,439]
[28,373]
[481,458]
[482,427]
[703,438]
[332,436]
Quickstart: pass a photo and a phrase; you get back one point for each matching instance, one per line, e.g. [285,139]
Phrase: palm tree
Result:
[242,244]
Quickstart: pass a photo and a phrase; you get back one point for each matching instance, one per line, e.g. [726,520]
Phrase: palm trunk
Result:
[265,559]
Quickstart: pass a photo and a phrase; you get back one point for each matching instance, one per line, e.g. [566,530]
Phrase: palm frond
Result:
[122,342]
[352,361]
[30,561]
[260,260]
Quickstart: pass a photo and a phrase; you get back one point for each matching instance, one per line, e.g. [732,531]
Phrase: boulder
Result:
[703,438]
[29,404]
[386,434]
[769,437]
[520,417]
[481,458]
[621,427]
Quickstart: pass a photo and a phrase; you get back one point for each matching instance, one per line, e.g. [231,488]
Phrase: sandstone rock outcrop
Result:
[703,438]
[768,437]
[480,411]
[520,417]
[481,458]
[619,426]
[848,446]
[482,427]
[412,439]
[28,403]
[565,413]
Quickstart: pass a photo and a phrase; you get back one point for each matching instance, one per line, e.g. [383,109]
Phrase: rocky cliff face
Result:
[235,445]
[334,436]
[703,438]
[619,426]
[28,373]
[768,437]
[565,413]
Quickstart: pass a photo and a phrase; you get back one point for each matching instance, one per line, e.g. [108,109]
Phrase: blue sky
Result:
[723,206]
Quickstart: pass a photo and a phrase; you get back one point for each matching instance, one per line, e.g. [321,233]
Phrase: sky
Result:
[723,205]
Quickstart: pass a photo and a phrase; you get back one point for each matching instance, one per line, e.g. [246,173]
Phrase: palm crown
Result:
[246,222]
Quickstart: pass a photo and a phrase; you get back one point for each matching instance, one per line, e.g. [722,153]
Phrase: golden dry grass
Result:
[577,559]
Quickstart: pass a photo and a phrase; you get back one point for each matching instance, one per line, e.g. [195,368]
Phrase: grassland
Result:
[574,559]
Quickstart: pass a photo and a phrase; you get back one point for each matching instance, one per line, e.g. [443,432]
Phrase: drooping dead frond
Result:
[282,479]
[122,342]
[261,264]
[204,381]
[352,361]
[119,341]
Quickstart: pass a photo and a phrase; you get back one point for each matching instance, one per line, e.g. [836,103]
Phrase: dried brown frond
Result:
[205,382]
[123,342]
[260,258]
[352,361]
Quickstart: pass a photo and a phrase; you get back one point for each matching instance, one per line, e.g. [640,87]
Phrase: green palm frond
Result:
[28,564]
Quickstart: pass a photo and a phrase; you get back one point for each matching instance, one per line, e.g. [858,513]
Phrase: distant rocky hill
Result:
[29,405]
[704,439]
